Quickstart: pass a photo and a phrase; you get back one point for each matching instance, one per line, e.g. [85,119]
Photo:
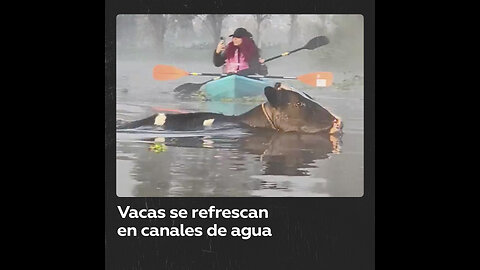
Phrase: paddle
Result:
[317,79]
[311,45]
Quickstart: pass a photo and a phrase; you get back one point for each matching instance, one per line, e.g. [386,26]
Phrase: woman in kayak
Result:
[240,56]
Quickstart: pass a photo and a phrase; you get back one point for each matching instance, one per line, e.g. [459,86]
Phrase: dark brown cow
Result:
[287,110]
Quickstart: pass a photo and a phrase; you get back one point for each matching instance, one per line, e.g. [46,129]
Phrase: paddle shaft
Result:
[284,54]
[197,86]
[250,76]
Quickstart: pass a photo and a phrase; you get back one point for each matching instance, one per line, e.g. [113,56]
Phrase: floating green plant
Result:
[158,147]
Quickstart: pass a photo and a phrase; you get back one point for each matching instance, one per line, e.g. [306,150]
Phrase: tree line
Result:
[212,23]
[144,31]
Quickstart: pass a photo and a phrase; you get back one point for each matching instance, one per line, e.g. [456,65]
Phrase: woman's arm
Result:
[218,54]
[218,59]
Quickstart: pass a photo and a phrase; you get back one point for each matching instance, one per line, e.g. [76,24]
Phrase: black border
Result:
[325,233]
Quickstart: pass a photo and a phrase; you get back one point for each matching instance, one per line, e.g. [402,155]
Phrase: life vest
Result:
[235,63]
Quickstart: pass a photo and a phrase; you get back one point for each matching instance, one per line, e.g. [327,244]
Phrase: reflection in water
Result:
[290,153]
[221,165]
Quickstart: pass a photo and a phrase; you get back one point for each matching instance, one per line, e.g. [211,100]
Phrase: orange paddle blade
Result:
[164,73]
[317,79]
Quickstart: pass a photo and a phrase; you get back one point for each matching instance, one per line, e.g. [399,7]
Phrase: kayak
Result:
[234,86]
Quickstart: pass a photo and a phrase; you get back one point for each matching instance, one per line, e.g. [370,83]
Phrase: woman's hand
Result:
[261,60]
[220,47]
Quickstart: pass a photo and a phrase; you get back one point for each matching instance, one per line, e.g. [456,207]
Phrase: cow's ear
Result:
[273,95]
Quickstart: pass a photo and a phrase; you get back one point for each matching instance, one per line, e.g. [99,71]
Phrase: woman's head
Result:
[240,33]
[242,39]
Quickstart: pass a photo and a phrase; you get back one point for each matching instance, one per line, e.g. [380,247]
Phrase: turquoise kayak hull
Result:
[235,86]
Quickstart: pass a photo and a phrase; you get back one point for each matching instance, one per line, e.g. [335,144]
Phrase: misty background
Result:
[170,36]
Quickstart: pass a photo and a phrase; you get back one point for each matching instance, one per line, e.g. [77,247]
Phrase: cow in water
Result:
[286,110]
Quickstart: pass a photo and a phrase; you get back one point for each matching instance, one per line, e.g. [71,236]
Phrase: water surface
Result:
[233,161]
